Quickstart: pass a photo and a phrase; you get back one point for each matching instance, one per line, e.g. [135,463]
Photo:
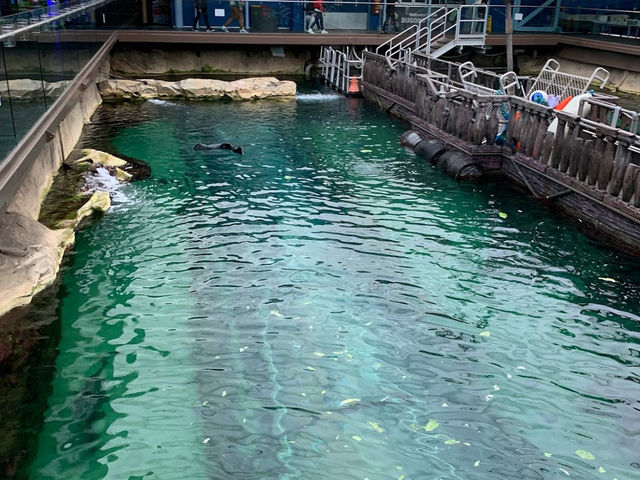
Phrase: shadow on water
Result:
[29,339]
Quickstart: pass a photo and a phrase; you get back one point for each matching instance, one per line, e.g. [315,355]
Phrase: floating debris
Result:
[376,427]
[431,425]
[585,455]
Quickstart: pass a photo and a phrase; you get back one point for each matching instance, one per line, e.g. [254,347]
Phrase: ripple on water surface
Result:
[327,306]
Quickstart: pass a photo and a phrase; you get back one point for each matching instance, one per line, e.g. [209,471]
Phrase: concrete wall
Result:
[256,61]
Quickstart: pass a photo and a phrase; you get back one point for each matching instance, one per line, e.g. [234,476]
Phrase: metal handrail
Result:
[43,16]
[434,27]
[473,21]
[337,67]
[552,81]
[404,35]
[617,113]
[430,23]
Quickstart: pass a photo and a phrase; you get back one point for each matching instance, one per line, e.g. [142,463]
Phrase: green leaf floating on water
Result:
[451,441]
[585,455]
[431,425]
[502,215]
[376,427]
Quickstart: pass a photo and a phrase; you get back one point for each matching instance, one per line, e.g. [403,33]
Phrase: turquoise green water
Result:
[327,306]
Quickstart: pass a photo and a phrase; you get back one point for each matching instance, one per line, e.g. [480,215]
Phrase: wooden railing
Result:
[585,149]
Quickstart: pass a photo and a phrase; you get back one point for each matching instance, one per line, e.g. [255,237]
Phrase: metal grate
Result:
[553,82]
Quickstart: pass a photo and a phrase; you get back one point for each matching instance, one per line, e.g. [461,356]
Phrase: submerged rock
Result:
[100,158]
[25,89]
[31,250]
[30,256]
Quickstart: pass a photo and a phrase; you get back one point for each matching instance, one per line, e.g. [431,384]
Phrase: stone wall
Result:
[132,61]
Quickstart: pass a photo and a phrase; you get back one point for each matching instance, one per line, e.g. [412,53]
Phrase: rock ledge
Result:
[198,88]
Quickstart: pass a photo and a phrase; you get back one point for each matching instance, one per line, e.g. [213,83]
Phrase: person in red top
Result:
[318,9]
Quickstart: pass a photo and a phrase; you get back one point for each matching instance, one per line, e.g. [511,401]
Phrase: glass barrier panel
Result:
[601,21]
[24,89]
[43,48]
[7,127]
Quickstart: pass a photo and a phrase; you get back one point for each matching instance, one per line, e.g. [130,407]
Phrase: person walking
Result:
[237,13]
[201,10]
[390,17]
[318,9]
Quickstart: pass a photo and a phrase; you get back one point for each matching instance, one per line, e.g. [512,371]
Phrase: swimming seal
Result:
[218,146]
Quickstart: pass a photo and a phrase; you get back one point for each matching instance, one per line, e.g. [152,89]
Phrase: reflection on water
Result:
[327,306]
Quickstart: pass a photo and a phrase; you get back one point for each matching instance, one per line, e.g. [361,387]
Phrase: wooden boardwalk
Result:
[336,38]
[585,169]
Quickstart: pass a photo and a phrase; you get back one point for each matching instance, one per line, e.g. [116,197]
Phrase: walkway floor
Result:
[369,38]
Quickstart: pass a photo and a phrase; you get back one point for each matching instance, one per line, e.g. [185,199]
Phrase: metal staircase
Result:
[444,29]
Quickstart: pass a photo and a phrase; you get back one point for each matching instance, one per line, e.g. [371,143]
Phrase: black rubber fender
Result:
[430,150]
[410,139]
[459,166]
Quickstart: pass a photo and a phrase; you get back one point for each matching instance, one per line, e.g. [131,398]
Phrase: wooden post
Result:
[513,110]
[620,163]
[563,164]
[479,127]
[532,132]
[606,166]
[583,167]
[595,158]
[558,146]
[547,148]
[575,157]
[629,182]
[492,130]
[508,27]
[539,139]
[636,192]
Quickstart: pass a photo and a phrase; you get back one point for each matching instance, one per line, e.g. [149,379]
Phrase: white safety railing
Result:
[342,70]
[553,82]
[613,115]
[439,32]
[491,84]
[507,83]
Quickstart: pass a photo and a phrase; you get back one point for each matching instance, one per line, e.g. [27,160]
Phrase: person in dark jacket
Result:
[390,17]
[318,9]
[201,10]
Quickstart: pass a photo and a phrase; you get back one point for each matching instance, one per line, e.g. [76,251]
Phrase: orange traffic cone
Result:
[354,86]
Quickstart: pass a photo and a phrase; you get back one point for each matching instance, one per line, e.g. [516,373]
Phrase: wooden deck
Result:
[335,38]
